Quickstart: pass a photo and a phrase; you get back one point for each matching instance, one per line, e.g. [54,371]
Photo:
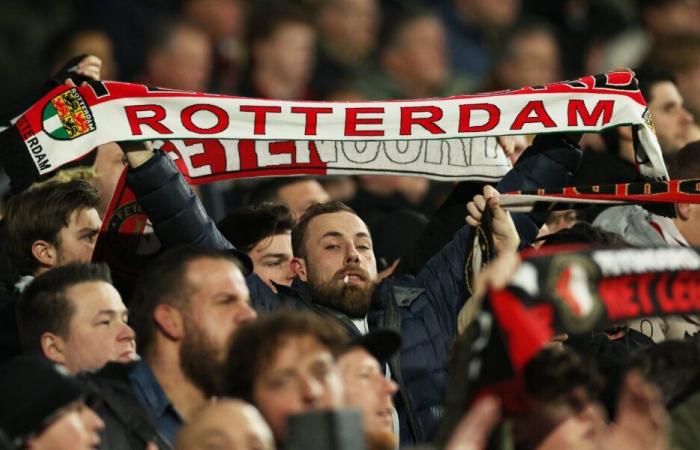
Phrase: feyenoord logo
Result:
[135,233]
[67,116]
[572,283]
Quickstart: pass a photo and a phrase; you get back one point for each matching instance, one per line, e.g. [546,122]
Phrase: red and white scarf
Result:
[221,137]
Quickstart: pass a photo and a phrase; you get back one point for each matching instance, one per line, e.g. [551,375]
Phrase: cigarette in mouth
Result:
[345,280]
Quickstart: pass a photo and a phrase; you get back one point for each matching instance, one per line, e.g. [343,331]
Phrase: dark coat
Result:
[127,426]
[423,308]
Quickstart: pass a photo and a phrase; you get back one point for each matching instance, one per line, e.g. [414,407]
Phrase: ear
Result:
[52,347]
[169,321]
[683,210]
[299,268]
[45,253]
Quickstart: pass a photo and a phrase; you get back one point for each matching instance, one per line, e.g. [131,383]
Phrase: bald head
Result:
[227,425]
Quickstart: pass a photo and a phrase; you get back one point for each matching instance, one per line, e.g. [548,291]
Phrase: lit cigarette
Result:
[345,280]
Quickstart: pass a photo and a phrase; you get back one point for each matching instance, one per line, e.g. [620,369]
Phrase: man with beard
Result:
[185,308]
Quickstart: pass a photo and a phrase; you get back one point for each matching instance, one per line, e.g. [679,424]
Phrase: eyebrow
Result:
[112,312]
[360,234]
[275,255]
[89,229]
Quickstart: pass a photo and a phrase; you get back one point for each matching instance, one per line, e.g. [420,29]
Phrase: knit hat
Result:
[32,389]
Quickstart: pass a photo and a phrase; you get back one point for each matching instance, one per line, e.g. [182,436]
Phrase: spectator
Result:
[184,310]
[347,37]
[671,120]
[672,125]
[529,57]
[281,42]
[674,366]
[178,56]
[224,22]
[84,40]
[284,364]
[299,193]
[642,228]
[43,408]
[367,387]
[51,225]
[73,316]
[474,27]
[413,60]
[681,56]
[264,233]
[227,425]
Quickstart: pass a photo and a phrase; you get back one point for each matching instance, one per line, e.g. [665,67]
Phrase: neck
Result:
[272,85]
[184,395]
[683,229]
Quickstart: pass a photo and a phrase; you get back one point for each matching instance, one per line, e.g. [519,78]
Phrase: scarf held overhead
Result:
[446,139]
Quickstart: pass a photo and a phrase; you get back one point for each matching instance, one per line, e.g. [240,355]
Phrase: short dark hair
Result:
[248,225]
[269,16]
[584,233]
[256,343]
[267,191]
[685,163]
[673,366]
[39,214]
[648,76]
[396,23]
[165,282]
[299,230]
[44,306]
[551,377]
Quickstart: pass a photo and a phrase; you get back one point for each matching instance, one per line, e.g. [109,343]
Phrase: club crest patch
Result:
[572,284]
[67,116]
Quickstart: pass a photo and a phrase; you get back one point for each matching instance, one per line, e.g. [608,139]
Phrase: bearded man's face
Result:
[339,264]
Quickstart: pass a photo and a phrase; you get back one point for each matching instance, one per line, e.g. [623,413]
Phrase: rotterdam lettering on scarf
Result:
[447,138]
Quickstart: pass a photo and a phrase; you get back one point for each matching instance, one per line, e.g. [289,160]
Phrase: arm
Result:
[177,215]
[444,274]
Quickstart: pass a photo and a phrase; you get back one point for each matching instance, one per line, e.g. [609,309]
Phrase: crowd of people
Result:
[336,312]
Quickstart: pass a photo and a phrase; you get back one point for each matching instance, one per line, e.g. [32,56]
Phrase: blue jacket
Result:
[423,308]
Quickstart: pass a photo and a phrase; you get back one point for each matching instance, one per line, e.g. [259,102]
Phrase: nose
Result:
[686,116]
[247,314]
[390,386]
[352,256]
[127,333]
[91,420]
[311,392]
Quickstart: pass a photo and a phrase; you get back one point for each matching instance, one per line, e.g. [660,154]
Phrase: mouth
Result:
[385,415]
[354,277]
[127,356]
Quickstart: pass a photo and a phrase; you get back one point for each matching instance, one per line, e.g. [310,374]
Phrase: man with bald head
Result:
[226,424]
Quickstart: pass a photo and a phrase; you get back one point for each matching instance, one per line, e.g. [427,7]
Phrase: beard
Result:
[350,299]
[381,440]
[200,360]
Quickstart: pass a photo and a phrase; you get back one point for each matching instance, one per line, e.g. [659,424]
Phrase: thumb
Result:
[151,446]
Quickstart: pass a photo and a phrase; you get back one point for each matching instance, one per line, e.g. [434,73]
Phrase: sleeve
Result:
[443,276]
[548,163]
[176,213]
[179,218]
[446,220]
